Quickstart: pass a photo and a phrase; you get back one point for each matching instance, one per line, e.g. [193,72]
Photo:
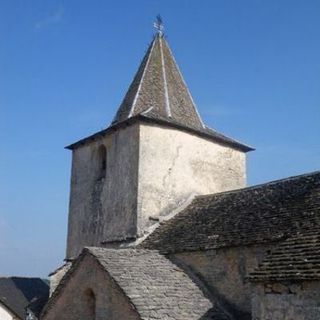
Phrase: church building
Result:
[162,225]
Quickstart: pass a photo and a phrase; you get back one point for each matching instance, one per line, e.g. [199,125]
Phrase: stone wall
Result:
[103,208]
[56,276]
[174,164]
[6,314]
[224,273]
[286,301]
[150,171]
[72,302]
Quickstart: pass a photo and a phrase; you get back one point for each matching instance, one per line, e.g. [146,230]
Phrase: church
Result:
[162,225]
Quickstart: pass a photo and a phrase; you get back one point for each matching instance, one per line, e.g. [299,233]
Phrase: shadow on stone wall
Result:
[223,309]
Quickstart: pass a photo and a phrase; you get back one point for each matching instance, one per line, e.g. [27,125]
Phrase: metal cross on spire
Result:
[158,25]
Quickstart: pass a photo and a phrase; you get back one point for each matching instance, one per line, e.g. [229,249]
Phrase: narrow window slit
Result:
[102,162]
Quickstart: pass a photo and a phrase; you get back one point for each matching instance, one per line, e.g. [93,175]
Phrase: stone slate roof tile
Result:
[158,93]
[158,86]
[296,258]
[37,304]
[259,214]
[16,293]
[156,287]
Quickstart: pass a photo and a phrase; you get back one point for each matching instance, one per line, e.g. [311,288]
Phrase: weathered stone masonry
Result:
[158,155]
[189,240]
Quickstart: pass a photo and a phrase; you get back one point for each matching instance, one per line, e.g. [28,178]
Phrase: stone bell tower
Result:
[154,156]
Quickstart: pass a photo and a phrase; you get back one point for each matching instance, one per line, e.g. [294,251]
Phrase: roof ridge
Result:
[143,75]
[188,91]
[119,249]
[166,94]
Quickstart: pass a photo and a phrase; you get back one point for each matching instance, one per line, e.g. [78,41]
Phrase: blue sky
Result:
[252,66]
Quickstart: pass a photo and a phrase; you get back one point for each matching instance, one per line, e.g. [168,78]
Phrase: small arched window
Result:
[90,304]
[102,162]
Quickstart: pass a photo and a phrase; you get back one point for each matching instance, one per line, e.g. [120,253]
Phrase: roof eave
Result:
[102,133]
[232,143]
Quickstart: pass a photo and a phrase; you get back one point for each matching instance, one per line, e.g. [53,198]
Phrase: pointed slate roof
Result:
[159,94]
[158,89]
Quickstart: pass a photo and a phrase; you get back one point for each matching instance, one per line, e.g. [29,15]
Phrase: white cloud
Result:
[52,19]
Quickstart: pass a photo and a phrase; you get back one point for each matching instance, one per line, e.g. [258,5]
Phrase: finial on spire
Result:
[158,25]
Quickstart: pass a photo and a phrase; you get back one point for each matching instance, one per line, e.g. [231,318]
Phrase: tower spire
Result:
[159,93]
[158,89]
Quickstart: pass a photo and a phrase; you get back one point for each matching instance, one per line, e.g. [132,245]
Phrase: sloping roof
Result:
[259,214]
[156,287]
[159,94]
[37,304]
[16,293]
[297,258]
[158,86]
